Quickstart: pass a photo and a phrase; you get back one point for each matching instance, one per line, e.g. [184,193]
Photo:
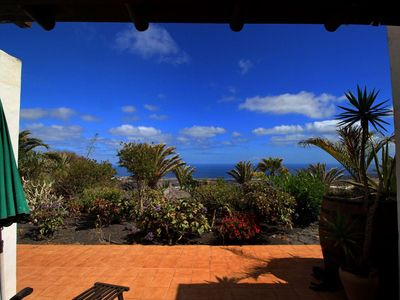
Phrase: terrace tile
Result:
[172,272]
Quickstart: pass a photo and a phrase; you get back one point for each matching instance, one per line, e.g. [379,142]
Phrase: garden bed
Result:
[87,234]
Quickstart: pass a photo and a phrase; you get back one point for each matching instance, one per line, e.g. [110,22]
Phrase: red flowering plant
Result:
[239,227]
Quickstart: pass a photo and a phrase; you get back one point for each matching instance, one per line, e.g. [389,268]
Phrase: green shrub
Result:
[218,198]
[47,209]
[81,173]
[308,192]
[106,204]
[269,203]
[170,220]
[31,165]
[74,207]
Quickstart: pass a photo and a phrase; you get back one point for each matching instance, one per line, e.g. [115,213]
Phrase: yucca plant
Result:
[271,166]
[243,172]
[363,109]
[366,112]
[326,176]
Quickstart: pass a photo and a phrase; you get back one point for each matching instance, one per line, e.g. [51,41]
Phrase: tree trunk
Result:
[366,255]
[363,168]
[140,186]
[370,209]
[213,218]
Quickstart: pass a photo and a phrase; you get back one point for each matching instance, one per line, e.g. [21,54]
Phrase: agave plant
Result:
[272,166]
[243,172]
[326,176]
[343,236]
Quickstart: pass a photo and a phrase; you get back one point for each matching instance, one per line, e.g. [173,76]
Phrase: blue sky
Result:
[217,95]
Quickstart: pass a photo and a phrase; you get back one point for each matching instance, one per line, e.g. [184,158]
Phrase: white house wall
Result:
[10,91]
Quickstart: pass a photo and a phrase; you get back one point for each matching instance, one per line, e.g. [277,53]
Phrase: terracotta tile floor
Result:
[178,272]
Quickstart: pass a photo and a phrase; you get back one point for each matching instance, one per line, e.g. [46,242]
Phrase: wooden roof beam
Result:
[137,17]
[43,15]
[237,20]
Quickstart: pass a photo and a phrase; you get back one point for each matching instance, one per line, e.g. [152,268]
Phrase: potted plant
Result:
[356,151]
[342,237]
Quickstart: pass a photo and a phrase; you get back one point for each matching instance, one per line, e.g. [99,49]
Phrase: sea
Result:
[213,171]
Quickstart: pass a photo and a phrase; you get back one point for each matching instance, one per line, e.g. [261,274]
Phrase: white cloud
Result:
[158,117]
[128,109]
[281,129]
[291,134]
[33,113]
[156,42]
[304,103]
[151,107]
[245,65]
[55,133]
[202,131]
[61,113]
[141,133]
[135,131]
[327,126]
[183,139]
[236,134]
[89,118]
[288,139]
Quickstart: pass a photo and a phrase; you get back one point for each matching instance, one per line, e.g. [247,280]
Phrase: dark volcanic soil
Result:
[86,234]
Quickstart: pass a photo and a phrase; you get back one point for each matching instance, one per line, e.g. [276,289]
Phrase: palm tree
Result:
[346,151]
[271,165]
[184,175]
[27,143]
[30,162]
[148,163]
[165,160]
[243,172]
[327,177]
[363,110]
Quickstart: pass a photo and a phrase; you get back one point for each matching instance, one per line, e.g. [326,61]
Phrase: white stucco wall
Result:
[394,52]
[10,90]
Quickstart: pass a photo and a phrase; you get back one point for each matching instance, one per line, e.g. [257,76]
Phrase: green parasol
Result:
[13,206]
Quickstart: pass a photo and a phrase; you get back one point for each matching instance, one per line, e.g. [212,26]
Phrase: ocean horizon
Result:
[219,170]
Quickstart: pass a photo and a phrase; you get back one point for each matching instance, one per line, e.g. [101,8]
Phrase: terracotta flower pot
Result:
[357,287]
[351,207]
